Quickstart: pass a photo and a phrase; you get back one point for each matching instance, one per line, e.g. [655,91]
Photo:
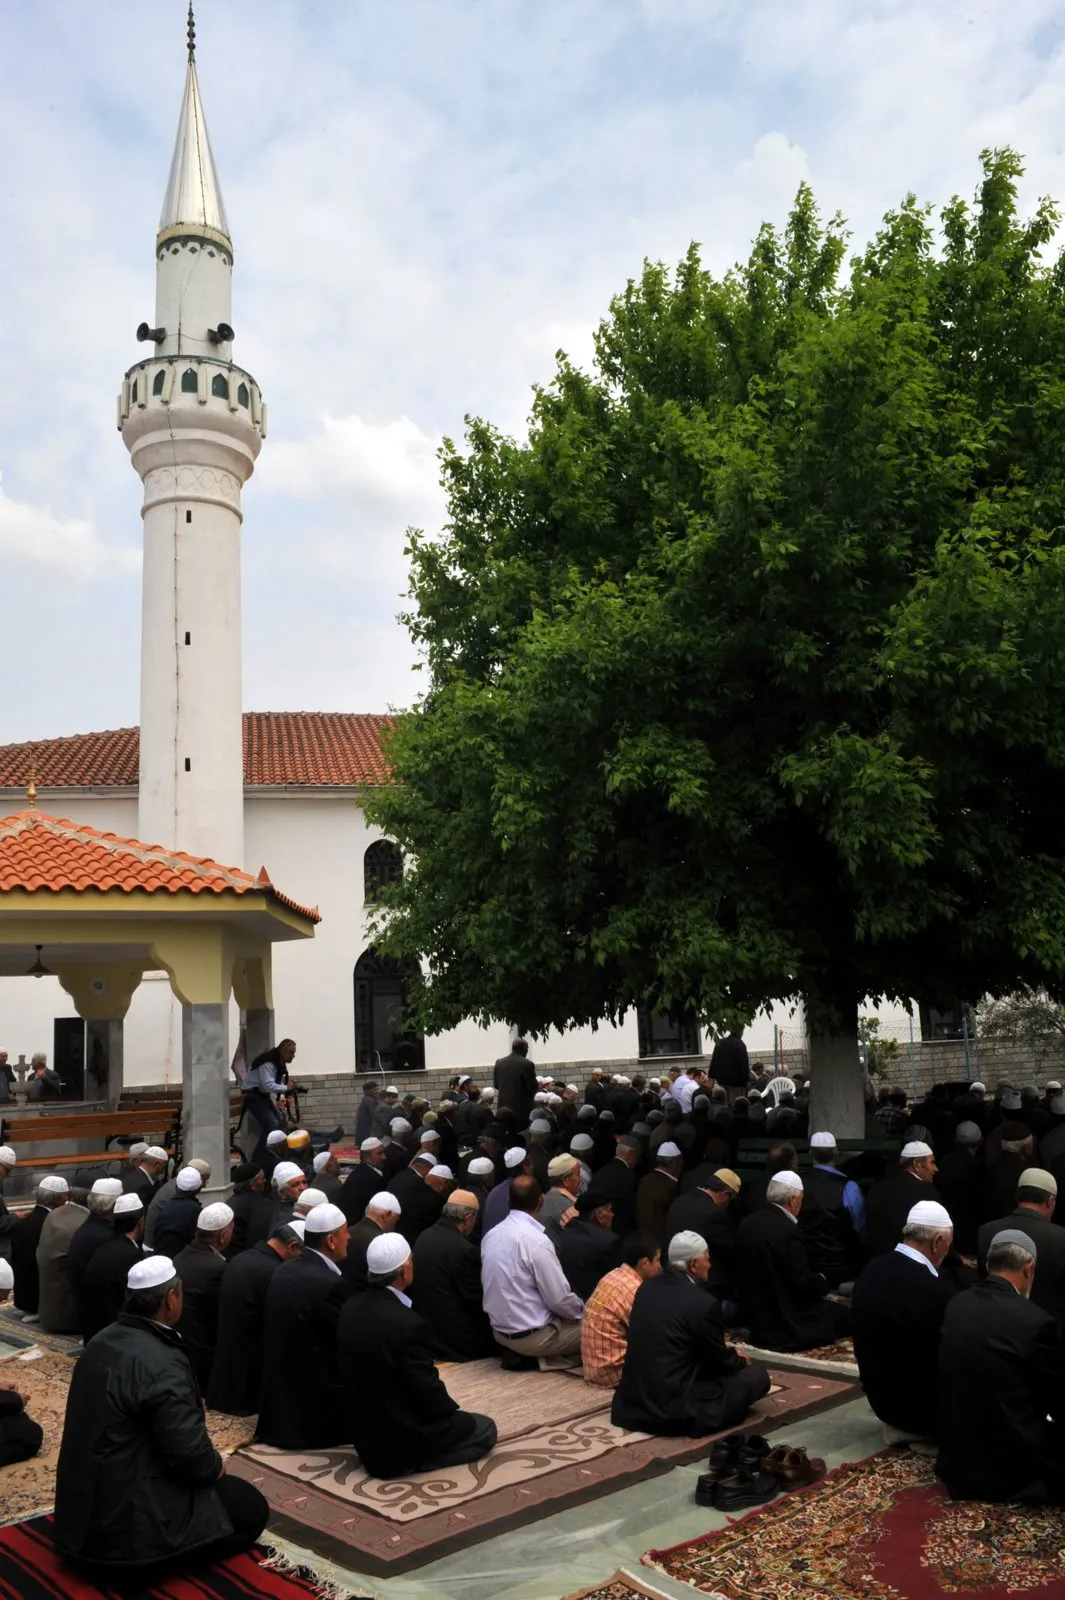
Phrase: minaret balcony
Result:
[190,384]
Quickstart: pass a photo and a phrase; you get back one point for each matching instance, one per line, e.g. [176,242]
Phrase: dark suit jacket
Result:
[781,1298]
[361,1237]
[514,1078]
[200,1269]
[236,1377]
[676,1361]
[586,1252]
[447,1292]
[697,1213]
[730,1063]
[654,1196]
[962,1184]
[1048,1286]
[896,1316]
[360,1185]
[420,1205]
[25,1237]
[302,1406]
[400,1416]
[1001,1372]
[616,1182]
[253,1217]
[103,1288]
[889,1204]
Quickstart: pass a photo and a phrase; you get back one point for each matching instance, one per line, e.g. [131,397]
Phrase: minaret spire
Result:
[191,30]
[193,197]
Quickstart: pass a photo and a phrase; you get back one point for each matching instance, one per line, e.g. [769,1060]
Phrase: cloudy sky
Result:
[428,198]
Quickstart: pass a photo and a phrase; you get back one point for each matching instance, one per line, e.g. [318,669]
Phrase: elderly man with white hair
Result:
[95,1231]
[25,1237]
[680,1377]
[290,1180]
[177,1225]
[163,1196]
[146,1170]
[897,1313]
[781,1296]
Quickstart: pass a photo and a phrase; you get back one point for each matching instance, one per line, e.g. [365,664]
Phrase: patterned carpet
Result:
[882,1529]
[622,1586]
[557,1447]
[836,1358]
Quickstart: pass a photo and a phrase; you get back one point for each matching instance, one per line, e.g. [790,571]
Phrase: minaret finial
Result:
[192,34]
[31,788]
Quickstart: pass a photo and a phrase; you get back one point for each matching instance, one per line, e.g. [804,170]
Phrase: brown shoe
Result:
[793,1468]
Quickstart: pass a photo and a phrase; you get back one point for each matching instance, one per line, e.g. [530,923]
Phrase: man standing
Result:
[163,1196]
[1037,1195]
[146,1169]
[265,1087]
[95,1232]
[140,1489]
[45,1084]
[253,1213]
[1002,1385]
[730,1064]
[533,1311]
[201,1267]
[514,1077]
[364,1115]
[605,1327]
[327,1175]
[236,1379]
[7,1078]
[290,1181]
[446,1289]
[679,1376]
[781,1297]
[178,1223]
[58,1308]
[962,1185]
[303,1399]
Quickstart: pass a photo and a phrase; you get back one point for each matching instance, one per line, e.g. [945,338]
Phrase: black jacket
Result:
[654,1195]
[832,1246]
[730,1063]
[103,1288]
[697,1213]
[1002,1179]
[889,1204]
[177,1225]
[586,1252]
[514,1077]
[446,1291]
[420,1205]
[136,1467]
[616,1181]
[93,1233]
[896,1316]
[302,1402]
[781,1297]
[200,1269]
[237,1368]
[962,1184]
[676,1361]
[25,1237]
[360,1238]
[1048,1285]
[399,1414]
[1001,1373]
[360,1186]
[253,1216]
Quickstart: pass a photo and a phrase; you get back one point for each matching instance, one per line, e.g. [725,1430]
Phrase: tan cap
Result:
[561,1166]
[729,1178]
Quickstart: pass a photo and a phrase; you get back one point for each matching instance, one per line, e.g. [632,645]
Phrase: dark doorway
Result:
[68,1056]
[382,1042]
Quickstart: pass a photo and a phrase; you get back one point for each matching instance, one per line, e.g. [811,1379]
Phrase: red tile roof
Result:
[311,749]
[42,852]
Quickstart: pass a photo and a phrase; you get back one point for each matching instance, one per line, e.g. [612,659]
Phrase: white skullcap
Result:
[571,1088]
[1057,1105]
[284,1173]
[668,1151]
[981,1087]
[213,1218]
[480,1166]
[515,1157]
[554,1099]
[541,1098]
[297,1225]
[488,1094]
[1011,1101]
[929,1214]
[624,1082]
[7,1277]
[684,1247]
[656,1083]
[370,1144]
[916,1150]
[53,1186]
[464,1077]
[139,1148]
[582,1141]
[427,1136]
[322,1160]
[788,1180]
[325,1219]
[968,1133]
[311,1198]
[7,1156]
[424,1157]
[441,1172]
[150,1272]
[399,1125]
[387,1254]
[127,1203]
[822,1141]
[155,1152]
[391,1089]
[1054,1085]
[277,1136]
[110,1186]
[385,1200]
[188,1180]
[539,1125]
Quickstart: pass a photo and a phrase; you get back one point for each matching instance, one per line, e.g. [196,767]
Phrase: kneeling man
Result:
[401,1419]
[679,1376]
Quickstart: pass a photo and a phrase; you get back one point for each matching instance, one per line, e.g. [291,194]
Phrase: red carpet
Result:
[883,1529]
[30,1569]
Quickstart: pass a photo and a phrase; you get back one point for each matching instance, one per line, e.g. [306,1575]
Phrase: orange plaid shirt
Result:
[605,1329]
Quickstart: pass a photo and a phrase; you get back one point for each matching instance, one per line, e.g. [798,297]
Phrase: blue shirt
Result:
[853,1199]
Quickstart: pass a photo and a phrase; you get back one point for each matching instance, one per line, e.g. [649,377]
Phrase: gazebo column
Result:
[200,963]
[101,992]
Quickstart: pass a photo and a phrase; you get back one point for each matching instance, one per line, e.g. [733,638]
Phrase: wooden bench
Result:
[147,1101]
[102,1126]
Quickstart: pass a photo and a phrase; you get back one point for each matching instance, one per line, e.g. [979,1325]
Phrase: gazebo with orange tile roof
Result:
[100,911]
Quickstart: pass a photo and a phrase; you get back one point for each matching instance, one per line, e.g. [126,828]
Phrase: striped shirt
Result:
[605,1330]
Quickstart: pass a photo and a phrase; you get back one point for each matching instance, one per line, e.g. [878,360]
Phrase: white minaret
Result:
[193,424]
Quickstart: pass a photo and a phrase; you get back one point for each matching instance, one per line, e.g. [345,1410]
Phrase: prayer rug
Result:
[882,1529]
[557,1447]
[30,1569]
[837,1358]
[622,1586]
[30,1333]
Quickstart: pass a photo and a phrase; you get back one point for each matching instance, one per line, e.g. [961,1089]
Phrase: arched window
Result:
[220,386]
[383,1042]
[188,381]
[382,865]
[158,381]
[243,397]
[133,392]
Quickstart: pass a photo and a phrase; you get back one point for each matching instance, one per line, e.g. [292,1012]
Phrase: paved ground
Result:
[548,1559]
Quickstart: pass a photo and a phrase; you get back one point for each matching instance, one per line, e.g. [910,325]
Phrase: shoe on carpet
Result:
[724,1452]
[743,1489]
[793,1468]
[513,1362]
[752,1452]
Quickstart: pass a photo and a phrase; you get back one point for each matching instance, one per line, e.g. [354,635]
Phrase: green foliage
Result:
[744,670]
[879,1053]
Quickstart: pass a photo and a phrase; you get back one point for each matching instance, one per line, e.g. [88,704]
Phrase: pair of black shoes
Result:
[735,1479]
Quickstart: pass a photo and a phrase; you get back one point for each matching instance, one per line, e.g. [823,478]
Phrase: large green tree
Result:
[745,670]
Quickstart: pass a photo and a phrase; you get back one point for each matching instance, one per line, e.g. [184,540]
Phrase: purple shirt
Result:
[496,1205]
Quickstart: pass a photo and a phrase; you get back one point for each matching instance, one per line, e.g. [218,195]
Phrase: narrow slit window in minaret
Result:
[188,381]
[188,764]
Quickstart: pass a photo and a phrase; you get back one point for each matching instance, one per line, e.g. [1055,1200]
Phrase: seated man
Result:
[401,1419]
[381,1216]
[237,1367]
[103,1288]
[533,1311]
[710,1211]
[447,1282]
[25,1237]
[201,1267]
[302,1400]
[566,1180]
[1037,1196]
[140,1488]
[253,1210]
[177,1226]
[781,1297]
[20,1436]
[1002,1385]
[657,1191]
[587,1248]
[891,1199]
[605,1328]
[679,1375]
[832,1220]
[58,1306]
[896,1317]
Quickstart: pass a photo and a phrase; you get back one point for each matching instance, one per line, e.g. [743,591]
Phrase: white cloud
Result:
[774,171]
[67,547]
[389,466]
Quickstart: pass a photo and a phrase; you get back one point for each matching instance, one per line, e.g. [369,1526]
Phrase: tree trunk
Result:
[837,1098]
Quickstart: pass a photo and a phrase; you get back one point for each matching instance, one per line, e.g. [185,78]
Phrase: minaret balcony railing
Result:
[167,380]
